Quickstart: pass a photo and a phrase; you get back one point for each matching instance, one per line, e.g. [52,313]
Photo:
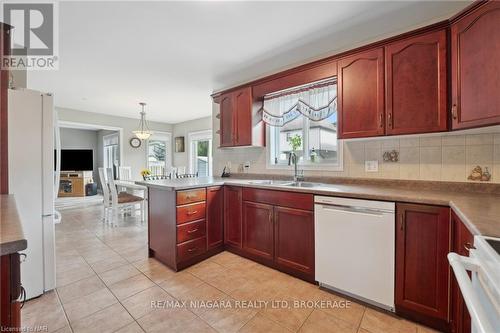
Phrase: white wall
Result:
[133,157]
[72,138]
[183,129]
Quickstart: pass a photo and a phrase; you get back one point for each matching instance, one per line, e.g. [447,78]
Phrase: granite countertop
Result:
[11,237]
[479,211]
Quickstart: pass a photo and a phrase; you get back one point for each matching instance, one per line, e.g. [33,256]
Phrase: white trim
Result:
[199,135]
[89,126]
[305,166]
[169,153]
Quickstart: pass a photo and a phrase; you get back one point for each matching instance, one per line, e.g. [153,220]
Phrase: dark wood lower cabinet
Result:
[215,216]
[258,230]
[10,291]
[280,237]
[232,217]
[463,241]
[423,240]
[294,239]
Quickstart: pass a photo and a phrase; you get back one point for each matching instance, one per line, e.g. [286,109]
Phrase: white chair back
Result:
[105,186]
[181,170]
[112,186]
[125,173]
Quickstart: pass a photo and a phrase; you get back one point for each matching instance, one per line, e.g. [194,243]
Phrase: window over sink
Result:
[310,112]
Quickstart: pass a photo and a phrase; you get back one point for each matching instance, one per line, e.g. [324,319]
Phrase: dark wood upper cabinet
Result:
[227,130]
[240,124]
[463,241]
[361,94]
[422,270]
[243,110]
[475,66]
[258,230]
[232,216]
[294,239]
[416,91]
[215,216]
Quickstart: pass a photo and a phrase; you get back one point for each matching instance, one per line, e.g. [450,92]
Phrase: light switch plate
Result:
[371,166]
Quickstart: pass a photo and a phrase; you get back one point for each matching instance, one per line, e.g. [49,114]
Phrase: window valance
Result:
[316,101]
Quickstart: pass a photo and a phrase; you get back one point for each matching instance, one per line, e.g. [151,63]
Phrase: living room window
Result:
[309,112]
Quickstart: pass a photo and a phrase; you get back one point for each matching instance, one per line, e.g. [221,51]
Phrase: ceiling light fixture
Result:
[143,132]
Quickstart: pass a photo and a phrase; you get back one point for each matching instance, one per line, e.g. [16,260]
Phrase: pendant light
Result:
[143,132]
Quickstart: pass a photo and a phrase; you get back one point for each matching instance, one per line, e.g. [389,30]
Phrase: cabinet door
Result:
[215,216]
[422,270]
[475,54]
[462,243]
[416,84]
[258,229]
[227,120]
[243,109]
[361,94]
[232,216]
[294,239]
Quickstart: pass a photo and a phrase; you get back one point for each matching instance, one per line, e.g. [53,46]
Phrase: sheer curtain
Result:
[316,102]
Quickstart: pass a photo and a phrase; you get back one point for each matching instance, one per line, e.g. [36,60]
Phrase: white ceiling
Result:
[173,55]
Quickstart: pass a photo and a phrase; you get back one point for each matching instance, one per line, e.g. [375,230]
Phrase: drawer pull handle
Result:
[191,231]
[468,246]
[192,249]
[193,212]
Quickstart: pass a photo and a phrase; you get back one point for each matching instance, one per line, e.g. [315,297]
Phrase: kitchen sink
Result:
[270,182]
[304,184]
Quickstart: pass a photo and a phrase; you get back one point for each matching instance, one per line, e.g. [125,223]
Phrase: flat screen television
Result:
[77,159]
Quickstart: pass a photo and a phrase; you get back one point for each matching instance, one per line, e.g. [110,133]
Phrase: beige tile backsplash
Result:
[445,157]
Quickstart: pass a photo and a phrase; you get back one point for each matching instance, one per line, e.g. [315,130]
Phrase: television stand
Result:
[73,183]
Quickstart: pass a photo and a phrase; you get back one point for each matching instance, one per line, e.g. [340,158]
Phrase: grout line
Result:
[64,310]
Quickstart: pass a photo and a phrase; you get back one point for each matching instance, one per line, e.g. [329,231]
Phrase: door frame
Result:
[200,135]
[90,126]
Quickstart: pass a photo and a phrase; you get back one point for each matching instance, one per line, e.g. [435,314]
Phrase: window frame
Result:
[270,148]
[168,147]
[196,136]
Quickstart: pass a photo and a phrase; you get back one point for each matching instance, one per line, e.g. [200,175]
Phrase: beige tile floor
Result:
[106,283]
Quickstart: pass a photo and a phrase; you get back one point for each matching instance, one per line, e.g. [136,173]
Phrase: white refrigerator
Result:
[32,127]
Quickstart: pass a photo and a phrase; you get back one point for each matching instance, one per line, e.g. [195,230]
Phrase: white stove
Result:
[482,292]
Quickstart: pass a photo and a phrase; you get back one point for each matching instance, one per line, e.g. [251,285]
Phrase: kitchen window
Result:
[309,112]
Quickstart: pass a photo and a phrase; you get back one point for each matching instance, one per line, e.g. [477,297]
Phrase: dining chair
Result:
[125,173]
[119,202]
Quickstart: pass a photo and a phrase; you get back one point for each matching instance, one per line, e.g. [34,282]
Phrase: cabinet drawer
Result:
[191,249]
[190,196]
[280,198]
[191,230]
[191,212]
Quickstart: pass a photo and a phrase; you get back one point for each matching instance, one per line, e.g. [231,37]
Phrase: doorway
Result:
[200,153]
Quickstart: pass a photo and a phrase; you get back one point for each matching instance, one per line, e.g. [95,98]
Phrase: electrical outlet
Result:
[246,166]
[371,166]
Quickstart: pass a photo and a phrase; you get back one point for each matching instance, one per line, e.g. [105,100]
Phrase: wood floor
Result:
[106,283]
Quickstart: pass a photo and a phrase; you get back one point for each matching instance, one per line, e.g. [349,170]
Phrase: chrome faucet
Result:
[298,175]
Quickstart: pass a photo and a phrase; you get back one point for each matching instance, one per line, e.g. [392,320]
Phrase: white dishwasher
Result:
[354,248]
